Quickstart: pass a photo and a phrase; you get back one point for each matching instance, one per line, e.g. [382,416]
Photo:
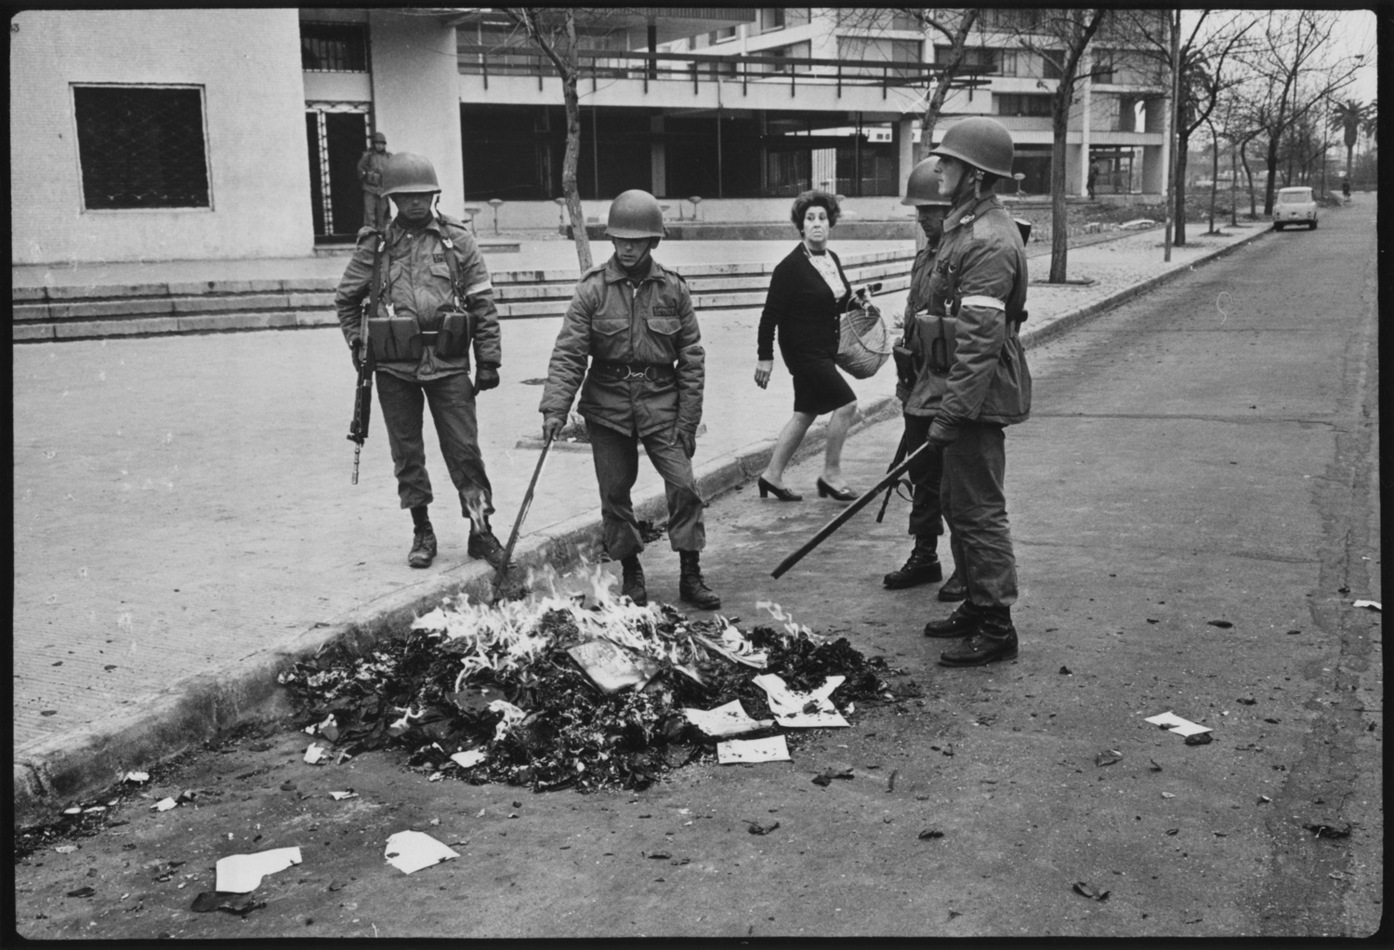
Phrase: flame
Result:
[780,614]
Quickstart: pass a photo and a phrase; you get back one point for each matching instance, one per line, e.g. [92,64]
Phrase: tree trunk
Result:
[1178,207]
[1249,177]
[568,171]
[1059,211]
[1214,174]
[1272,176]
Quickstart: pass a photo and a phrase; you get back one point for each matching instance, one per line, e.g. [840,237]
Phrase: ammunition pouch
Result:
[394,339]
[455,333]
[904,365]
[940,333]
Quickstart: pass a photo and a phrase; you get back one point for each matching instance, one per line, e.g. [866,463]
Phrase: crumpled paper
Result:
[811,710]
[242,873]
[410,851]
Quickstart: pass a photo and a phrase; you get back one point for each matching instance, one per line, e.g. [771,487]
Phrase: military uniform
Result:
[644,384]
[920,402]
[417,286]
[979,280]
[370,166]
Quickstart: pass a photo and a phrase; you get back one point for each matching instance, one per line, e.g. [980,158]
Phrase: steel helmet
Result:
[635,214]
[380,137]
[922,188]
[980,142]
[408,172]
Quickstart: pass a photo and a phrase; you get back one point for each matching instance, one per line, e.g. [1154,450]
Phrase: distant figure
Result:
[1093,176]
[1345,189]
[370,168]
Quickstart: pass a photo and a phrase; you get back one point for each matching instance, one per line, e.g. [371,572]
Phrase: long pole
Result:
[1173,140]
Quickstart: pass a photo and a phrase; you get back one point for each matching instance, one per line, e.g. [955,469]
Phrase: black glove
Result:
[688,441]
[486,377]
[356,354]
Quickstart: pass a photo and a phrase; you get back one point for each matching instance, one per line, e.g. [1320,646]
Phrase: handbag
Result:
[864,343]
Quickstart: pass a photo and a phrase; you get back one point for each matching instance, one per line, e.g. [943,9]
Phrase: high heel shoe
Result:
[827,491]
[783,494]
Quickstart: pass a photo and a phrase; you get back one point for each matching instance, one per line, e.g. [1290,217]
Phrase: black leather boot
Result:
[921,568]
[632,581]
[954,589]
[960,623]
[994,639]
[692,589]
[423,546]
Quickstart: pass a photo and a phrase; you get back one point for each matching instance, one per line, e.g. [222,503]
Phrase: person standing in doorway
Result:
[980,283]
[370,168]
[631,344]
[920,389]
[808,294]
[435,301]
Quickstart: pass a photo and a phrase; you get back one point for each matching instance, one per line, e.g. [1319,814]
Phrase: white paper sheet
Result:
[410,851]
[728,720]
[789,707]
[242,873]
[469,759]
[1182,727]
[733,751]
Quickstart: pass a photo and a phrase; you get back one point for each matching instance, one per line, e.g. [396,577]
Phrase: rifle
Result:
[363,394]
[843,516]
[899,456]
[522,513]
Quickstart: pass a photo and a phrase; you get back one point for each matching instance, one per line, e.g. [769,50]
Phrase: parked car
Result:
[1294,206]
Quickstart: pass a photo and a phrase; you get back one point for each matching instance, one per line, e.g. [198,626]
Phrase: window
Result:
[973,56]
[141,147]
[1011,103]
[1103,66]
[796,51]
[721,36]
[1013,19]
[771,18]
[906,20]
[1050,63]
[879,51]
[333,47]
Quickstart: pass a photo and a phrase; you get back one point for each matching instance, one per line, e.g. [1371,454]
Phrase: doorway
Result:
[337,135]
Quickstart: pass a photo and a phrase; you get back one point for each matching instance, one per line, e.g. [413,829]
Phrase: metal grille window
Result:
[333,47]
[141,147]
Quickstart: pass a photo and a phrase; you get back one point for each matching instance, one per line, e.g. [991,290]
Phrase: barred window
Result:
[333,47]
[1011,103]
[141,147]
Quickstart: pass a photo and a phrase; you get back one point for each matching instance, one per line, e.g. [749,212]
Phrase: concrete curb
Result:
[197,708]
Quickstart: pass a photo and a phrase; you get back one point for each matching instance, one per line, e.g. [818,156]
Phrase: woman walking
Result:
[808,293]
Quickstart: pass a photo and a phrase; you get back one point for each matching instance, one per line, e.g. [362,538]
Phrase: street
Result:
[1195,509]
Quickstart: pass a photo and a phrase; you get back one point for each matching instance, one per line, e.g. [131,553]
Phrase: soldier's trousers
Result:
[375,210]
[926,471]
[616,456]
[451,399]
[975,506]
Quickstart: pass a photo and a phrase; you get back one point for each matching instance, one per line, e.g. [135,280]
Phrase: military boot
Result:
[484,545]
[423,546]
[960,623]
[692,589]
[922,567]
[632,581]
[954,588]
[994,639]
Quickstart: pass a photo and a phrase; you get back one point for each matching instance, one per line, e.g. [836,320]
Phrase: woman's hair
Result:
[813,198]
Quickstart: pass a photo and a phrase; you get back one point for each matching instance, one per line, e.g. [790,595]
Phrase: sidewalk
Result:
[184,522]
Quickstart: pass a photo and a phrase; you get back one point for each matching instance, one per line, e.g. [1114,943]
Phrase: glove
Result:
[688,441]
[941,433]
[486,377]
[356,354]
[552,426]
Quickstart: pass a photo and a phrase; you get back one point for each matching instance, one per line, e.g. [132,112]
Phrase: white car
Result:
[1294,206]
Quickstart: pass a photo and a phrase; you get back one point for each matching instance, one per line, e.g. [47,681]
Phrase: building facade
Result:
[224,133]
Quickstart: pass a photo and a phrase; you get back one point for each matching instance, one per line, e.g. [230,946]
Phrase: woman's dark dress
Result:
[801,306]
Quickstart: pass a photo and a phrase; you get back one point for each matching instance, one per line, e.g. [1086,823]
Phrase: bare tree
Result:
[1059,37]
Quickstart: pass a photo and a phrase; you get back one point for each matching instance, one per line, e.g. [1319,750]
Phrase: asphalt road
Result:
[1195,507]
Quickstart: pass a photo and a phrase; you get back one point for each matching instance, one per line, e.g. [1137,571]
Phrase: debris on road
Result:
[82,892]
[341,796]
[314,754]
[802,710]
[136,778]
[725,722]
[1322,829]
[566,690]
[1108,757]
[930,834]
[1369,605]
[242,873]
[1199,738]
[826,777]
[737,751]
[1088,890]
[1222,624]
[410,851]
[756,828]
[1174,723]
[239,904]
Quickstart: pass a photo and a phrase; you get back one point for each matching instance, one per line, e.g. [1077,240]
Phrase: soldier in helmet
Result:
[920,390]
[978,292]
[630,343]
[370,167]
[434,304]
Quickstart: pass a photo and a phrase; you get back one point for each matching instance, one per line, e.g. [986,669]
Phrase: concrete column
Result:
[903,132]
[658,159]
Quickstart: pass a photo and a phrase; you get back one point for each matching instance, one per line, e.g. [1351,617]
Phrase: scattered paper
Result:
[340,796]
[735,751]
[1371,604]
[410,851]
[611,667]
[314,753]
[511,716]
[164,804]
[812,710]
[469,759]
[725,721]
[137,778]
[1182,727]
[242,873]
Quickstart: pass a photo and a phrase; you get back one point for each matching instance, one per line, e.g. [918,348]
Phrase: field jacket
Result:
[645,323]
[922,398]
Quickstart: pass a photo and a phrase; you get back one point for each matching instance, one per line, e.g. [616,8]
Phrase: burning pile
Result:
[551,693]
